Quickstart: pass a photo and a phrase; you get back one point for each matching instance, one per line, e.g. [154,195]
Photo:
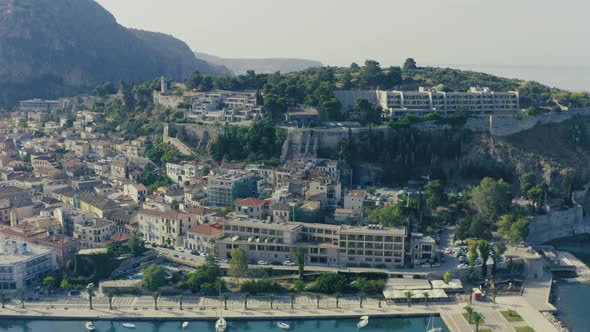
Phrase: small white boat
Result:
[284,326]
[220,325]
[89,326]
[362,323]
[184,325]
[364,317]
[129,325]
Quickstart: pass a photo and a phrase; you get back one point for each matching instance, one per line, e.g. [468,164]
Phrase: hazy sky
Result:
[338,32]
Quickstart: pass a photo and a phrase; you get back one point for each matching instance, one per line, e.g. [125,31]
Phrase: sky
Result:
[339,32]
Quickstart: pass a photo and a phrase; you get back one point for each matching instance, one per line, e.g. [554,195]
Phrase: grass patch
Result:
[511,316]
[524,329]
[466,316]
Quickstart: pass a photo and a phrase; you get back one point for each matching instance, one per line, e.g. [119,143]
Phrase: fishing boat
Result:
[129,325]
[364,317]
[362,323]
[430,327]
[89,326]
[184,325]
[284,326]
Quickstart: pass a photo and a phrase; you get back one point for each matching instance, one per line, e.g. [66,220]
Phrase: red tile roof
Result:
[249,202]
[205,229]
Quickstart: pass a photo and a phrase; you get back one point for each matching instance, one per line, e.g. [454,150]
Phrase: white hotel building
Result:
[477,100]
[24,265]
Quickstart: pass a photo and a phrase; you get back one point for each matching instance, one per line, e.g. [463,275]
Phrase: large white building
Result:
[23,265]
[476,100]
[93,233]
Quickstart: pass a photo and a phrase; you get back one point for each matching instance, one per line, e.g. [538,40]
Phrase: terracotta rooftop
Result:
[205,229]
[249,202]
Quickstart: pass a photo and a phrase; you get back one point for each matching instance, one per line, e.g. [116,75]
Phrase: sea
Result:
[413,324]
[571,297]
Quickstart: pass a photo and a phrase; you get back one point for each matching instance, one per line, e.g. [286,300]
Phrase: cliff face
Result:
[53,47]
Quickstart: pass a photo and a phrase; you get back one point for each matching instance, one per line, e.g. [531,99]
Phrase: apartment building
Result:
[137,192]
[354,200]
[477,100]
[328,245]
[179,173]
[164,227]
[252,207]
[202,238]
[24,265]
[93,233]
[36,105]
[224,189]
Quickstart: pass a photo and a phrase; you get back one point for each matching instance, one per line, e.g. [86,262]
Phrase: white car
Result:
[262,262]
[288,263]
[181,249]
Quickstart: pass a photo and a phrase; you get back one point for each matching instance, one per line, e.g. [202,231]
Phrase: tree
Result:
[477,318]
[205,170]
[136,243]
[492,198]
[65,284]
[271,299]
[483,247]
[21,294]
[471,252]
[292,297]
[527,182]
[246,297]
[225,298]
[337,296]
[389,215]
[513,227]
[409,64]
[380,298]
[329,283]
[426,296]
[494,293]
[318,296]
[90,292]
[361,296]
[49,282]
[408,295]
[499,248]
[238,265]
[470,312]
[447,277]
[3,299]
[155,297]
[153,277]
[180,299]
[435,194]
[300,253]
[110,295]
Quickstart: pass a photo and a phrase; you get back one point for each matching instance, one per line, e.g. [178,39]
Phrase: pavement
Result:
[208,308]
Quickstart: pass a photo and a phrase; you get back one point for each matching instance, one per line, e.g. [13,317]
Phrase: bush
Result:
[329,283]
[261,286]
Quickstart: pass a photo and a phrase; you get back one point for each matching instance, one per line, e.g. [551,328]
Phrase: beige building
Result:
[327,245]
[252,207]
[202,238]
[169,227]
[93,233]
[137,192]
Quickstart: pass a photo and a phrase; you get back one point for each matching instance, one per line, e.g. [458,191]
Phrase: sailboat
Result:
[430,327]
[220,324]
[184,325]
[89,326]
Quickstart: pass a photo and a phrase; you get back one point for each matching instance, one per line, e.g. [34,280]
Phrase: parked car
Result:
[262,262]
[175,255]
[288,263]
[181,249]
[73,292]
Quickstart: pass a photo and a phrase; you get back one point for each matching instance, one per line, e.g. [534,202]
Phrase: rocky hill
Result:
[50,48]
[260,66]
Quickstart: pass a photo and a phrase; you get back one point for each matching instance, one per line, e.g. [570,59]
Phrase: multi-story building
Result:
[224,189]
[328,245]
[137,192]
[35,105]
[164,227]
[201,238]
[5,211]
[93,233]
[182,172]
[423,249]
[476,100]
[354,200]
[24,265]
[252,207]
[64,247]
[329,189]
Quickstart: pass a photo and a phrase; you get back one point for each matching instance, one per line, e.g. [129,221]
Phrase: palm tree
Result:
[470,312]
[471,297]
[21,294]
[180,299]
[271,299]
[292,297]
[90,291]
[494,293]
[3,299]
[317,298]
[155,296]
[426,296]
[337,296]
[361,296]
[477,317]
[246,297]
[225,298]
[408,295]
[110,296]
[380,298]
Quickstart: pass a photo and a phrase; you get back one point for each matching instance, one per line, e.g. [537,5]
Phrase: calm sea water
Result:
[340,325]
[572,298]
